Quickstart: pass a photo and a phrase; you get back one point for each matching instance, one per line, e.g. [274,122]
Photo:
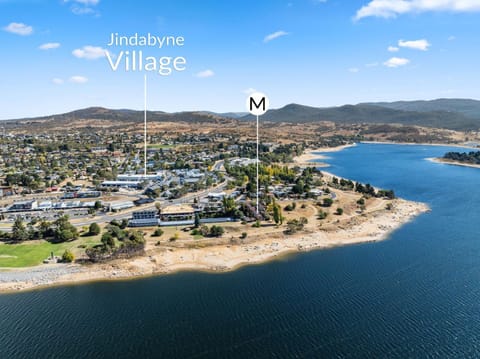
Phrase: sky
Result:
[312,52]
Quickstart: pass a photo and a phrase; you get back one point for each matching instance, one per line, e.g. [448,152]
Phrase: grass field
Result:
[33,253]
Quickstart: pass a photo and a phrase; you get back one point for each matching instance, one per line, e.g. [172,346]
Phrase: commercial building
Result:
[144,218]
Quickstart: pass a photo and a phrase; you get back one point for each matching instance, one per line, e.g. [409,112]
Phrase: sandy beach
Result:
[313,154]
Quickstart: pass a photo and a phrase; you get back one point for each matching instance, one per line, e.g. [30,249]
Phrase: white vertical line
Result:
[145,125]
[258,160]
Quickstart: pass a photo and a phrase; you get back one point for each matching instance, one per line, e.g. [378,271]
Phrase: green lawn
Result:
[33,253]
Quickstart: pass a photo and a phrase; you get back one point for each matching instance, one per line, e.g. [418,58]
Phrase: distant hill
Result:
[469,108]
[454,114]
[124,115]
[374,113]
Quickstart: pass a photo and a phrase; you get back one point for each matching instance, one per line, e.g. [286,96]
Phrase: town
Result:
[91,194]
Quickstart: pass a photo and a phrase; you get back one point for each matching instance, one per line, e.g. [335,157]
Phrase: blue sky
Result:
[313,52]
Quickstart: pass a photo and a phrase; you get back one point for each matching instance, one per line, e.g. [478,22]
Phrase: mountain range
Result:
[454,114]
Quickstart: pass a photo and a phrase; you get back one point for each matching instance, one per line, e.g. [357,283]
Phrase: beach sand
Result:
[312,154]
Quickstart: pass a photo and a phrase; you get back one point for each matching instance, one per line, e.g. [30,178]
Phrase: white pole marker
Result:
[257,104]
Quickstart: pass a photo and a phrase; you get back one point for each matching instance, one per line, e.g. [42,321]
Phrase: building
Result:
[119,205]
[144,218]
[213,196]
[119,184]
[140,177]
[178,213]
[6,191]
[24,206]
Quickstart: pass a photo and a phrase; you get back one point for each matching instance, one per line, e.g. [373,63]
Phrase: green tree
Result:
[327,202]
[197,220]
[19,231]
[64,230]
[107,240]
[339,211]
[94,229]
[277,214]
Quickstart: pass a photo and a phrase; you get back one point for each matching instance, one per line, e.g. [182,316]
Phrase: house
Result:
[6,191]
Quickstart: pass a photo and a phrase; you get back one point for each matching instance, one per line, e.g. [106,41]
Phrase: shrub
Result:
[216,231]
[157,233]
[94,229]
[322,215]
[339,211]
[327,202]
[68,256]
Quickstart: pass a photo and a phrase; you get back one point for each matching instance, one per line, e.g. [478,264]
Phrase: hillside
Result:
[453,114]
[469,108]
[372,113]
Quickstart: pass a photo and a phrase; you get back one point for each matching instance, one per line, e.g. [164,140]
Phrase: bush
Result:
[157,233]
[174,237]
[256,224]
[244,235]
[327,202]
[216,231]
[361,201]
[339,211]
[68,256]
[322,215]
[94,229]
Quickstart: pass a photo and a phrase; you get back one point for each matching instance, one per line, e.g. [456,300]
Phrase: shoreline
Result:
[420,144]
[375,226]
[309,155]
[451,163]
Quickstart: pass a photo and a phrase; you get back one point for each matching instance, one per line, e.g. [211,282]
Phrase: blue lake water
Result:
[416,295]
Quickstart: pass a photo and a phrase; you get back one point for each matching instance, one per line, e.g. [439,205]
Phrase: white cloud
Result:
[49,45]
[19,28]
[274,35]
[78,79]
[422,44]
[372,64]
[57,81]
[393,8]
[396,62]
[83,7]
[451,38]
[393,49]
[89,52]
[205,73]
[353,70]
[249,91]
